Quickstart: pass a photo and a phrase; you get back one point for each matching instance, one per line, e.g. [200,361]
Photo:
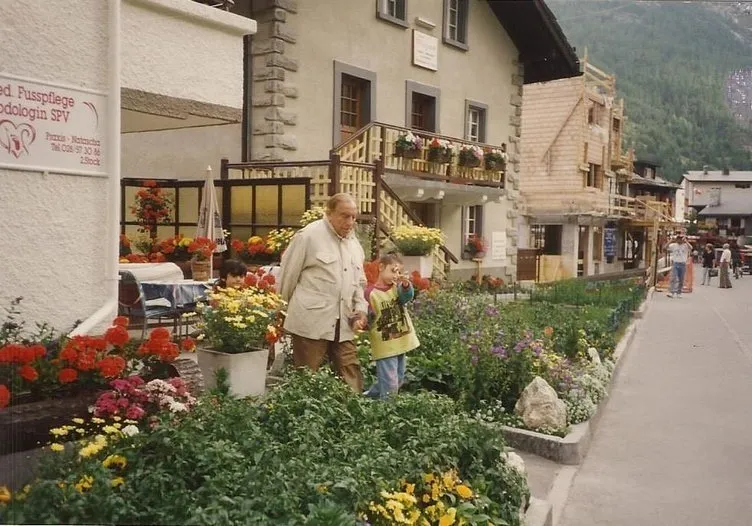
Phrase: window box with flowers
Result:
[495,159]
[408,146]
[416,244]
[475,247]
[470,156]
[440,151]
[238,327]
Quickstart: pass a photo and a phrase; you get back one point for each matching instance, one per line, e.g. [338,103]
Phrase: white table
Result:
[153,271]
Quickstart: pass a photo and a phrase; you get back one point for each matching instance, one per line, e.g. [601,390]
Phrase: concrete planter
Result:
[246,370]
[422,264]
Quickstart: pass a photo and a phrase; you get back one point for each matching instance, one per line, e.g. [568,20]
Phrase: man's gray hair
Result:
[336,199]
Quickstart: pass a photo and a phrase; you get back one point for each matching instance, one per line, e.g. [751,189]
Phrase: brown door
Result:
[423,113]
[352,106]
[527,264]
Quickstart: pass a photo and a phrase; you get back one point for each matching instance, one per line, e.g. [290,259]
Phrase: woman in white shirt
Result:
[725,264]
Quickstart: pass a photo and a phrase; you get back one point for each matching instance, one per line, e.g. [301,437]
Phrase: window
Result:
[422,106]
[594,176]
[742,185]
[354,100]
[475,121]
[597,243]
[473,221]
[455,22]
[547,238]
[735,222]
[394,11]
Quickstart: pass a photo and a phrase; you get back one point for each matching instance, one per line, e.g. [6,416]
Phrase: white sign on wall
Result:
[499,245]
[425,51]
[50,127]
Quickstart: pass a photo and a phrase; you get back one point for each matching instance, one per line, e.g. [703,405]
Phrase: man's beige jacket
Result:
[322,279]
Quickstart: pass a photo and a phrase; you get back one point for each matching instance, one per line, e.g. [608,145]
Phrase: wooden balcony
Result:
[377,141]
[378,205]
[640,211]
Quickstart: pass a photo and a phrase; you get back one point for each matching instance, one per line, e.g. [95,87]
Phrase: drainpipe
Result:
[107,312]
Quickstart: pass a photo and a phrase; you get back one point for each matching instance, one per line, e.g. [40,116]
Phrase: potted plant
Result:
[175,250]
[309,216]
[278,240]
[495,159]
[152,206]
[408,146]
[475,247]
[201,250]
[238,328]
[254,251]
[440,151]
[416,243]
[470,156]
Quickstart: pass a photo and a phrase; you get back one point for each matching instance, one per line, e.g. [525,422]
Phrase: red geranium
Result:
[67,375]
[28,373]
[117,336]
[160,333]
[111,366]
[188,344]
[120,321]
[4,396]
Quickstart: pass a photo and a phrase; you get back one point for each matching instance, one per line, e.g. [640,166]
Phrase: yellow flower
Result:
[5,494]
[110,430]
[58,431]
[78,421]
[428,477]
[426,498]
[86,482]
[57,447]
[448,518]
[410,488]
[463,491]
[81,431]
[117,481]
[97,420]
[115,460]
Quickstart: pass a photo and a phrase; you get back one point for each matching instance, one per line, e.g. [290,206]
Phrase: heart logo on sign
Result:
[16,139]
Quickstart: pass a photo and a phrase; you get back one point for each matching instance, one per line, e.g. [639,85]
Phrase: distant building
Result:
[722,200]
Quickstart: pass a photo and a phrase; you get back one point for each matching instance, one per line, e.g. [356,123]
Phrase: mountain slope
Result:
[671,61]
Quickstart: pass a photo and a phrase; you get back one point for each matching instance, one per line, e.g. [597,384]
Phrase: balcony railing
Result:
[377,141]
[639,209]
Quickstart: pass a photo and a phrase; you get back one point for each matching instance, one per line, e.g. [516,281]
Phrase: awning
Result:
[415,189]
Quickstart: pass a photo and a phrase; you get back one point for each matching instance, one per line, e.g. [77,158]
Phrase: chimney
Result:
[725,171]
[705,169]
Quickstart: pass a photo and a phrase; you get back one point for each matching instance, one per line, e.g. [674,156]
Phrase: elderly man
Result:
[322,279]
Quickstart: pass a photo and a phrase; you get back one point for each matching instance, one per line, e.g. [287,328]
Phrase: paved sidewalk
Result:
[674,445]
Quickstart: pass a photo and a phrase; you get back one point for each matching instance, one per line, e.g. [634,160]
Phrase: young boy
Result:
[392,333]
[232,274]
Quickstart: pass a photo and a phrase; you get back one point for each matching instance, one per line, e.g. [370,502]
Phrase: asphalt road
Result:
[674,445]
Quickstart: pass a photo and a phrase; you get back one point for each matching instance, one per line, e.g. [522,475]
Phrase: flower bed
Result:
[312,453]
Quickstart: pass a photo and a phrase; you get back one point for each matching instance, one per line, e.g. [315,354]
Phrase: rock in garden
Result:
[513,460]
[594,356]
[540,407]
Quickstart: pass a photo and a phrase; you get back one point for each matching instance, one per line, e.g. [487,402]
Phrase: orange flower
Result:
[117,336]
[120,321]
[28,373]
[4,396]
[548,331]
[160,334]
[111,366]
[188,344]
[67,375]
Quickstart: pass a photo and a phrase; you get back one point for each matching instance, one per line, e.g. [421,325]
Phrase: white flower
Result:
[130,430]
[178,407]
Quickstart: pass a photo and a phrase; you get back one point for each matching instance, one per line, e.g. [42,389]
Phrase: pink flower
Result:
[134,412]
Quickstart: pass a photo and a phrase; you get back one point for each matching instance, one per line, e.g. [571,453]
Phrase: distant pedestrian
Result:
[725,264]
[680,251]
[708,263]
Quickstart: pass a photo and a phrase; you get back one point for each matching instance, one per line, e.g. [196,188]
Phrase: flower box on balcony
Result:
[495,159]
[470,156]
[440,151]
[406,153]
[408,146]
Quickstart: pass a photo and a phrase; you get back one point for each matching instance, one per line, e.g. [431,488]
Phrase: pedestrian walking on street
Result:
[322,278]
[680,251]
[708,264]
[725,265]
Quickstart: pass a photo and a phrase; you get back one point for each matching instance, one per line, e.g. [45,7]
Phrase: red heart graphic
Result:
[16,139]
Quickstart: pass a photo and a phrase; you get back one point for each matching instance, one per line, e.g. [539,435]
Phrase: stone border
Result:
[571,449]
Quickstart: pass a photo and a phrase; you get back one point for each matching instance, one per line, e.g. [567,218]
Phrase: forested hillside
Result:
[672,61]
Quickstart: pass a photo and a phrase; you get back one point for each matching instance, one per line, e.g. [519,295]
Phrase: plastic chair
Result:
[132,303]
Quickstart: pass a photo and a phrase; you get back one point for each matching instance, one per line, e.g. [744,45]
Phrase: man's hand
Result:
[359,321]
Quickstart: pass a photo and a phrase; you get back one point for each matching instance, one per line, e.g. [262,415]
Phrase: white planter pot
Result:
[423,264]
[246,371]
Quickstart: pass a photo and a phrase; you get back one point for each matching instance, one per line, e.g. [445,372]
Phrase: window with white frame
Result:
[476,124]
[392,11]
[455,22]
[472,223]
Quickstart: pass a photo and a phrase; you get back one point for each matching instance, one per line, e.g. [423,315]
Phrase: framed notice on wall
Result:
[425,51]
[51,127]
[499,246]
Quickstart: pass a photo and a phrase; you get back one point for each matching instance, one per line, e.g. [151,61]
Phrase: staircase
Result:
[357,167]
